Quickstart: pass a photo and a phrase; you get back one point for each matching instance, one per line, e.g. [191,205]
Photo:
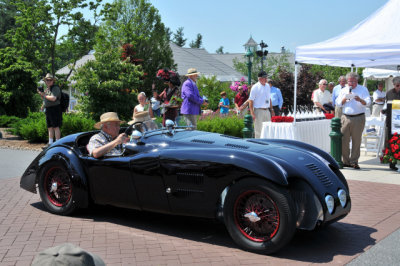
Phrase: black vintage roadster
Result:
[262,189]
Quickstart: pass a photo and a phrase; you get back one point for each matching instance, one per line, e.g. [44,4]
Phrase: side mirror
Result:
[169,123]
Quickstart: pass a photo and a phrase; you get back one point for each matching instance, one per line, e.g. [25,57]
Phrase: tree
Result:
[196,43]
[108,84]
[7,21]
[211,88]
[136,22]
[178,37]
[17,84]
[220,50]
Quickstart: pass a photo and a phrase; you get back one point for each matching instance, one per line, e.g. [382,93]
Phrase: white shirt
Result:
[322,97]
[353,107]
[260,95]
[379,94]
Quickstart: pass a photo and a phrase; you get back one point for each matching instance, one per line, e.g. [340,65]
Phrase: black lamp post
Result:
[250,47]
[261,53]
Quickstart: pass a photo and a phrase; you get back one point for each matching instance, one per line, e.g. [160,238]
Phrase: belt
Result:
[263,108]
[355,115]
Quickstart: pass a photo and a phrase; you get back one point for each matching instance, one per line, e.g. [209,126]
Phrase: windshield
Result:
[146,126]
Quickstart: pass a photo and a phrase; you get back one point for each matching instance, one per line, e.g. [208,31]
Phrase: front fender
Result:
[255,163]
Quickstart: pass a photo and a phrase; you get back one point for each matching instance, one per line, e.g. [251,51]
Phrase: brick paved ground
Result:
[123,237]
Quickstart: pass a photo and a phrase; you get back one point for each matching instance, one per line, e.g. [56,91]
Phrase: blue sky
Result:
[278,23]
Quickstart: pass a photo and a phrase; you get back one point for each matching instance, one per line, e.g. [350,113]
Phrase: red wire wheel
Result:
[256,216]
[58,186]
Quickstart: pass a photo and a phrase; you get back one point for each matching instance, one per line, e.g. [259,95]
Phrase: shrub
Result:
[34,128]
[229,125]
[6,121]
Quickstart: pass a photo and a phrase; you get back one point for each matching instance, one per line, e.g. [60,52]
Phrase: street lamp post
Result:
[261,53]
[250,47]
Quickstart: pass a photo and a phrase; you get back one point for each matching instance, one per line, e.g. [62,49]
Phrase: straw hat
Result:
[49,77]
[192,71]
[108,117]
[141,117]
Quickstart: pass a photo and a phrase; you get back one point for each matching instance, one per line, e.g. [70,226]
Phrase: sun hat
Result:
[48,77]
[192,71]
[108,117]
[141,117]
[222,93]
[67,254]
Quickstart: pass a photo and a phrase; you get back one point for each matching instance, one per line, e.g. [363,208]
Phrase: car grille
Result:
[318,173]
[236,146]
[190,177]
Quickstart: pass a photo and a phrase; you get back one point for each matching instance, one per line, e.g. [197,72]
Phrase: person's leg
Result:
[338,111]
[57,133]
[51,134]
[356,136]
[276,110]
[345,140]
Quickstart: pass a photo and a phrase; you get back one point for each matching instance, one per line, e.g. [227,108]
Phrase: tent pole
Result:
[295,93]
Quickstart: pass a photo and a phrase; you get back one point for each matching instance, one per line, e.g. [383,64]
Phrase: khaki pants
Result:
[338,111]
[262,115]
[352,128]
[191,120]
[376,110]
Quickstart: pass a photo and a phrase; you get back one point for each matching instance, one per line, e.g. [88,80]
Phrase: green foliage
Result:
[108,84]
[17,84]
[230,125]
[136,22]
[196,43]
[34,129]
[331,73]
[272,65]
[220,50]
[7,21]
[211,88]
[178,37]
[6,121]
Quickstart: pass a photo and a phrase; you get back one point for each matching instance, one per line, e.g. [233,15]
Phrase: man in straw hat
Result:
[51,101]
[192,101]
[107,141]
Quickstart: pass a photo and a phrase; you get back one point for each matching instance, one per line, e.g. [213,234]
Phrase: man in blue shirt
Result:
[276,98]
[335,94]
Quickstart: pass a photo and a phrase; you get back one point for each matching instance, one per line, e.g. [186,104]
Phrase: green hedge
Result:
[34,128]
[6,121]
[229,125]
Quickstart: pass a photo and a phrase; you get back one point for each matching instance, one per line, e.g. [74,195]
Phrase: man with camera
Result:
[51,101]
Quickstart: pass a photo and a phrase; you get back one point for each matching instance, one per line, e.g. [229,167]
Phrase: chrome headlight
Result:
[342,197]
[330,203]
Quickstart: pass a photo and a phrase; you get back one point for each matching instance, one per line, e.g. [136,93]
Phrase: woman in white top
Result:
[143,105]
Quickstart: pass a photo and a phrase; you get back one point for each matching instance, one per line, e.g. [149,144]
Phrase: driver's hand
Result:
[122,138]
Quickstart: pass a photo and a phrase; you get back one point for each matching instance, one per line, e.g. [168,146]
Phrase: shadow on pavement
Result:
[319,246]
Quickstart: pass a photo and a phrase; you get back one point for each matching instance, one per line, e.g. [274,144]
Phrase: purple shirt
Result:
[191,98]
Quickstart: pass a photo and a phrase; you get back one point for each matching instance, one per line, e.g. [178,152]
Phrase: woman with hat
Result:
[191,98]
[171,79]
[51,101]
[108,141]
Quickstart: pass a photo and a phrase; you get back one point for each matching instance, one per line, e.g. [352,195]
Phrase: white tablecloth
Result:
[314,132]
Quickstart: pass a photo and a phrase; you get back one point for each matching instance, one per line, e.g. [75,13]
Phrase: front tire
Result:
[56,189]
[259,215]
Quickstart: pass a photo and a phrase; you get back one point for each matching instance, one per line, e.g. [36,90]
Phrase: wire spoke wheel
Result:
[256,216]
[58,187]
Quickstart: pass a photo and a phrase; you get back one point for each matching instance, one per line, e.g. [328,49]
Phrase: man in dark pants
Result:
[51,100]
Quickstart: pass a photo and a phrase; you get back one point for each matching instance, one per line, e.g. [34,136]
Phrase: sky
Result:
[288,23]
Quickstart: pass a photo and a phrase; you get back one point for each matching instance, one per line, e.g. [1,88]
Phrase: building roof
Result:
[227,59]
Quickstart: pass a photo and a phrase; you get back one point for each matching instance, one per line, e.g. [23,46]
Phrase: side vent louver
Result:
[188,193]
[190,178]
[321,176]
[236,146]
[202,141]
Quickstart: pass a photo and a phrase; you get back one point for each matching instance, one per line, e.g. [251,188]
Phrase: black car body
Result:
[262,189]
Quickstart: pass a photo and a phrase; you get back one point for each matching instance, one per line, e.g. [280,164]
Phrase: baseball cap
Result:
[67,254]
[262,74]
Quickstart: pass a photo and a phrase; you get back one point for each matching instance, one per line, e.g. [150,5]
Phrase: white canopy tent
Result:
[384,74]
[373,42]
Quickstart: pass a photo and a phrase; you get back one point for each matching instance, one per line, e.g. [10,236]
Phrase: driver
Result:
[107,141]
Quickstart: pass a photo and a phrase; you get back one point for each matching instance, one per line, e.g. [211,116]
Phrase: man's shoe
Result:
[356,166]
[46,146]
[393,167]
[347,165]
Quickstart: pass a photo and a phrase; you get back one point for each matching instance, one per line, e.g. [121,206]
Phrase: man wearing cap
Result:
[260,103]
[108,141]
[51,101]
[192,101]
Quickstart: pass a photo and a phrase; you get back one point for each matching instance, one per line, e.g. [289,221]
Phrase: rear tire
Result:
[56,189]
[259,215]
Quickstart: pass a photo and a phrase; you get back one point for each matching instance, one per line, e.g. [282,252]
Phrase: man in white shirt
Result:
[353,99]
[335,94]
[322,97]
[260,103]
[379,100]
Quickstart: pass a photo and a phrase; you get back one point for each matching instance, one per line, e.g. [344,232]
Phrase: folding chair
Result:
[373,135]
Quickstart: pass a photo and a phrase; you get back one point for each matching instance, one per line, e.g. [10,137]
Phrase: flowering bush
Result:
[329,116]
[286,119]
[235,86]
[392,153]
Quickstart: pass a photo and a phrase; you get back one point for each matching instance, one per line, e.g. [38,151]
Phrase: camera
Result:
[40,88]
